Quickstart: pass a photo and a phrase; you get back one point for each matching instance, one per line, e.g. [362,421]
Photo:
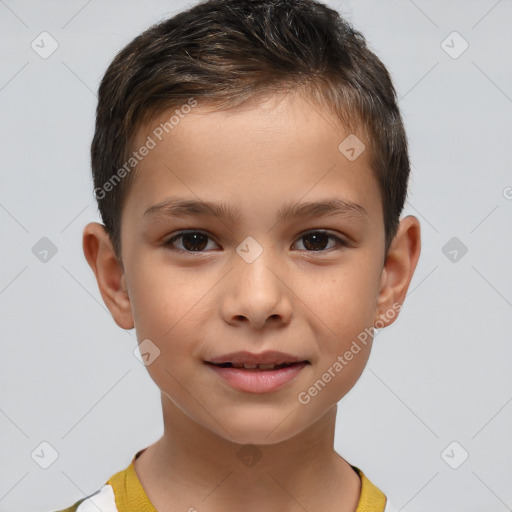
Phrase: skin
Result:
[194,306]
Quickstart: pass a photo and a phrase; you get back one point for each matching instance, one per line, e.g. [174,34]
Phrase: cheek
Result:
[169,309]
[341,310]
[165,299]
[344,300]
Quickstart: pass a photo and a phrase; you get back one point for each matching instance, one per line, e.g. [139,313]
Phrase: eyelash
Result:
[168,243]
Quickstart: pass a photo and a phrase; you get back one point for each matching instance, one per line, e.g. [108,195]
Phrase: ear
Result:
[401,260]
[100,255]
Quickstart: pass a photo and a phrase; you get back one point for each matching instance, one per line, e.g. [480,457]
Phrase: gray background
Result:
[440,374]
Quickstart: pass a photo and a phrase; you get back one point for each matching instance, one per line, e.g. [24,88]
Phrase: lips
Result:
[258,380]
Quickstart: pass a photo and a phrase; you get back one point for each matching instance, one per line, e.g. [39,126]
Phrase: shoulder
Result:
[120,492]
[102,499]
[371,497]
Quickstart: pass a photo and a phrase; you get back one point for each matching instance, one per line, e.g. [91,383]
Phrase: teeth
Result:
[248,366]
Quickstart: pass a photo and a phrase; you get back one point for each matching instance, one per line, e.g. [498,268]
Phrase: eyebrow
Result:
[176,207]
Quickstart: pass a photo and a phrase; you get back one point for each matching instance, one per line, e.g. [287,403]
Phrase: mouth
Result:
[258,378]
[257,367]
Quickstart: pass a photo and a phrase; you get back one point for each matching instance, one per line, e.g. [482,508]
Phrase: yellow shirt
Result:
[123,492]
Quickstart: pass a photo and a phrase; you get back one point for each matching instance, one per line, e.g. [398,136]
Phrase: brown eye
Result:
[317,240]
[191,241]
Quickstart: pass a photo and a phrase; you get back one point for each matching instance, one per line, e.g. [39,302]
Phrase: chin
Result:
[259,431]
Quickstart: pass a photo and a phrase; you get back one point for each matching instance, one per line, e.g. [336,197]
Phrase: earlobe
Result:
[109,273]
[398,270]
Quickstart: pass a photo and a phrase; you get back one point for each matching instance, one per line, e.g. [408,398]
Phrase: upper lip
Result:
[268,357]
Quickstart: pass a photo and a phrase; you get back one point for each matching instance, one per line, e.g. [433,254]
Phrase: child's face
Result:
[199,305]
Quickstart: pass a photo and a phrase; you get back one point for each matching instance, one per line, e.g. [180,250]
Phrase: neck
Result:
[303,472]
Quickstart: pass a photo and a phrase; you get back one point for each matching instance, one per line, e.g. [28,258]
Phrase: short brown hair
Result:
[224,52]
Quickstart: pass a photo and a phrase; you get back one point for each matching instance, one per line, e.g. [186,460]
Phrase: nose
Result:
[256,293]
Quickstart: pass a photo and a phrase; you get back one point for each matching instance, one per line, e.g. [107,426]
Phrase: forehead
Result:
[255,158]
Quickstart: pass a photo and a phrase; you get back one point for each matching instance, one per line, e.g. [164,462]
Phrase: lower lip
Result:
[258,381]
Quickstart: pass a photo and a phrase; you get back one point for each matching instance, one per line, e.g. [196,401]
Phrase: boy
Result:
[250,166]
